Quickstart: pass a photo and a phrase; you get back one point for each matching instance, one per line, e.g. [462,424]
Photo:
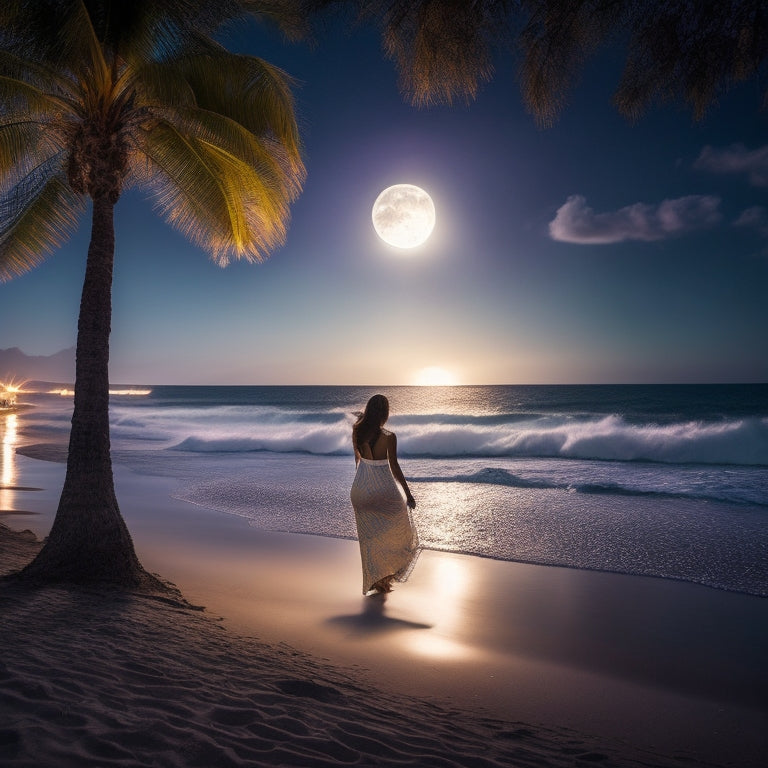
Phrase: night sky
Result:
[595,251]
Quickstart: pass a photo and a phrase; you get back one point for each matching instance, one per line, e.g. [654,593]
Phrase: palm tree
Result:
[96,96]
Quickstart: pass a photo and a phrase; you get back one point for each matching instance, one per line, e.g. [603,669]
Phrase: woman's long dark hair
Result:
[370,422]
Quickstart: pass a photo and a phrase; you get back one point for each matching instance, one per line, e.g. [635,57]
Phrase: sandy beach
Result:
[472,662]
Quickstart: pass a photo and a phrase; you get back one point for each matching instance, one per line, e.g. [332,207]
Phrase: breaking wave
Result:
[610,438]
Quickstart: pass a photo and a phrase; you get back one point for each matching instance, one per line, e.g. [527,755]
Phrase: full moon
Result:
[403,215]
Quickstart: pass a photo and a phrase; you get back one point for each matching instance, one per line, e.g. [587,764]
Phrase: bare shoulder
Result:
[391,438]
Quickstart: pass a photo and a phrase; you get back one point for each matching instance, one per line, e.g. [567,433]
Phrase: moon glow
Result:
[434,376]
[403,215]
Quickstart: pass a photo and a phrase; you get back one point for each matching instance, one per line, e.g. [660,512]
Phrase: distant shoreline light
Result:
[64,392]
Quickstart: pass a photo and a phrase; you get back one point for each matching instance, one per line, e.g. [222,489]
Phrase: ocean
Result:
[668,481]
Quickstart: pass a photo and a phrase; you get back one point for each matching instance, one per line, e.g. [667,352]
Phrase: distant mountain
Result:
[16,365]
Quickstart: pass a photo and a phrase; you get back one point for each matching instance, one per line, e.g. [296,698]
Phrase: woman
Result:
[389,544]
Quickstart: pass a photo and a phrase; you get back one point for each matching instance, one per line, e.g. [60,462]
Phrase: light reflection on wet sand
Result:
[444,590]
[8,471]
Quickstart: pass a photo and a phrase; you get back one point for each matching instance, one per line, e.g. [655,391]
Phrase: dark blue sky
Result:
[593,251]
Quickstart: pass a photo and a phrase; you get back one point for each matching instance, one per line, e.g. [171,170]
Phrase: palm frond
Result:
[227,206]
[692,52]
[18,96]
[676,49]
[263,152]
[58,34]
[441,49]
[248,90]
[81,50]
[35,74]
[37,216]
[147,30]
[27,149]
[288,15]
[156,83]
[558,38]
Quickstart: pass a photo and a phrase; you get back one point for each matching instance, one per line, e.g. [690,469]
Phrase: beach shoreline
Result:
[653,671]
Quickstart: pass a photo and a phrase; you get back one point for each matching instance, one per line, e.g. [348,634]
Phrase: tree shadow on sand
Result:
[372,620]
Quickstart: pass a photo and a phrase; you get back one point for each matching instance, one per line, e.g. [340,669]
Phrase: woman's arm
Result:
[395,467]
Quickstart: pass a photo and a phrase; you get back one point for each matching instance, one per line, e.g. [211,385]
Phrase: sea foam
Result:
[611,438]
[327,431]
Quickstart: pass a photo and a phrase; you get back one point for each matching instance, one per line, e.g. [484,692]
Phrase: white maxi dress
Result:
[389,544]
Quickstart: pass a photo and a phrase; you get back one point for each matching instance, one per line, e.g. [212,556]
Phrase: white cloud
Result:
[736,159]
[575,222]
[756,218]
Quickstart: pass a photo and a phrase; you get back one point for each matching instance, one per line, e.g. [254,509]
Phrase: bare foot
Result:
[384,585]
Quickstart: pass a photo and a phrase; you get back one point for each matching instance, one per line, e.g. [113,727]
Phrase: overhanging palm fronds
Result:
[687,50]
[443,49]
[694,52]
[676,49]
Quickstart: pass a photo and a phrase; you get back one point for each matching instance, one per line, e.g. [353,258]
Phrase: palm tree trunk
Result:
[89,541]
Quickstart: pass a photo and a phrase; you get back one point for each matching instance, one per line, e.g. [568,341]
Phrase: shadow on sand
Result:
[372,620]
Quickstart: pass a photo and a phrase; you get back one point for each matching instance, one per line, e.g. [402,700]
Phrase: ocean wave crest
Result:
[733,441]
[611,438]
[708,485]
